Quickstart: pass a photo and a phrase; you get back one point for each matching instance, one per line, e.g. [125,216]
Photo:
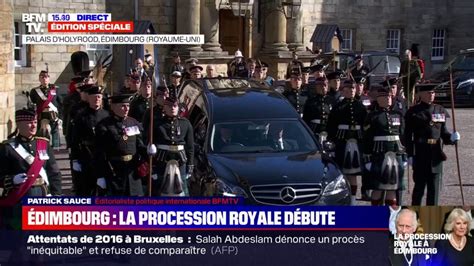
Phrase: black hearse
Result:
[250,142]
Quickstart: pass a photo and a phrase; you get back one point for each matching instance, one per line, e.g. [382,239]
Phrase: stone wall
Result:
[7,81]
[57,56]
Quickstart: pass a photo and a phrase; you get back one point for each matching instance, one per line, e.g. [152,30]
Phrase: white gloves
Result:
[151,149]
[455,136]
[154,176]
[368,166]
[76,166]
[101,183]
[404,164]
[19,178]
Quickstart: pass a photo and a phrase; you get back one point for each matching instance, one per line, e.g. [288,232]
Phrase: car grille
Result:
[443,94]
[286,194]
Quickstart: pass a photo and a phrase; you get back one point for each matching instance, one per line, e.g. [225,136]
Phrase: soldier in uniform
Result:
[135,83]
[362,93]
[425,135]
[149,65]
[175,84]
[27,163]
[294,63]
[177,65]
[48,108]
[237,67]
[74,100]
[317,109]
[410,73]
[398,102]
[120,150]
[317,70]
[189,63]
[345,128]
[293,91]
[334,79]
[83,137]
[384,154]
[196,72]
[27,168]
[174,149]
[141,102]
[359,69]
[161,94]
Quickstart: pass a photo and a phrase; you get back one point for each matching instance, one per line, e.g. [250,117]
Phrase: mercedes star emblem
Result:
[287,194]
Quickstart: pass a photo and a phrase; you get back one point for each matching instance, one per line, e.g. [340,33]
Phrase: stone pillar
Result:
[7,77]
[294,33]
[275,31]
[187,21]
[210,26]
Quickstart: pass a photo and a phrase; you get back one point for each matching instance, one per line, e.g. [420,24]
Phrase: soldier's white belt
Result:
[348,127]
[171,147]
[316,121]
[387,138]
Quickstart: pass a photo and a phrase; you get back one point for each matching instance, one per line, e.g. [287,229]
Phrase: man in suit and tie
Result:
[224,138]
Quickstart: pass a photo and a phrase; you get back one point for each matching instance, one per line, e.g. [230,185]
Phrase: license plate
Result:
[442,94]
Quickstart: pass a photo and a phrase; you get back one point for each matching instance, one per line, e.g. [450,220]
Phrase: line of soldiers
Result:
[110,139]
[375,136]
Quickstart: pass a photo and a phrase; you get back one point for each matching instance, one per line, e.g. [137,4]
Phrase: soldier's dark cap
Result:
[176,74]
[85,73]
[334,75]
[171,101]
[295,72]
[264,64]
[123,98]
[135,76]
[93,89]
[43,72]
[321,81]
[84,86]
[161,90]
[359,79]
[348,83]
[316,68]
[196,67]
[145,78]
[147,55]
[306,70]
[191,61]
[77,79]
[389,82]
[383,92]
[25,115]
[357,57]
[425,87]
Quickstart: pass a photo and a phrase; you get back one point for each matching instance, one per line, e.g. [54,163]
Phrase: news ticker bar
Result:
[54,39]
[203,217]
